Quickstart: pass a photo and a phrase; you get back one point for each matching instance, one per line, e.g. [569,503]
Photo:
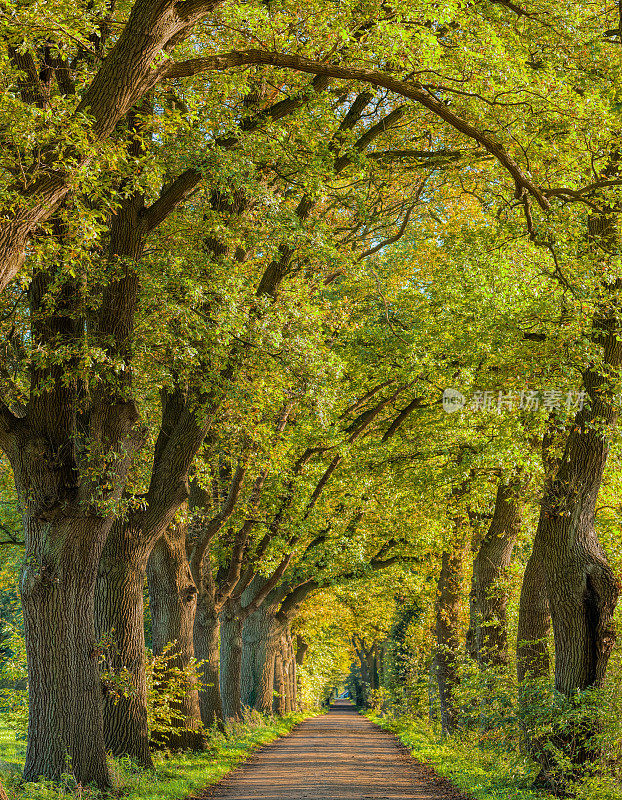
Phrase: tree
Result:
[172,602]
[144,57]
[489,626]
[88,94]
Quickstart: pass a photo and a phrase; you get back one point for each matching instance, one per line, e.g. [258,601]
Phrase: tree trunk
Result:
[261,639]
[302,648]
[474,621]
[280,681]
[292,700]
[119,625]
[381,669]
[581,588]
[67,513]
[288,668]
[532,657]
[65,728]
[432,690]
[489,569]
[448,633]
[230,660]
[534,624]
[364,665]
[207,651]
[173,601]
[373,668]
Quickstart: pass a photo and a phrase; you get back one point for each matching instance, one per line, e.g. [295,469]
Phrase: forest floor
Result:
[337,756]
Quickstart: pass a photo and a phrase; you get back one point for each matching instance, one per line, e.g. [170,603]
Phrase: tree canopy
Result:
[309,332]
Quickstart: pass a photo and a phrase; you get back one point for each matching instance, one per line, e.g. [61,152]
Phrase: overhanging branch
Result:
[412,91]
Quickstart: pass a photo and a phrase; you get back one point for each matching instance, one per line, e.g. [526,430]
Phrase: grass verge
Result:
[484,774]
[175,776]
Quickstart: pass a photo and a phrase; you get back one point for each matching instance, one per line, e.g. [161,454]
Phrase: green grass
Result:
[12,751]
[485,774]
[173,778]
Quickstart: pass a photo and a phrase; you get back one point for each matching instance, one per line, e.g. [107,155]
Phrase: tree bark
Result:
[119,625]
[302,647]
[292,700]
[534,624]
[207,651]
[258,657]
[532,656]
[65,525]
[373,668]
[280,691]
[231,660]
[359,648]
[173,601]
[489,568]
[284,675]
[268,658]
[65,729]
[581,588]
[261,638]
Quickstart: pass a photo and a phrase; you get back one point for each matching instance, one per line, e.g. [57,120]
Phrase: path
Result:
[337,756]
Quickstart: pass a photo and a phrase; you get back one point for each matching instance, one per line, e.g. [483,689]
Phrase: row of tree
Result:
[231,305]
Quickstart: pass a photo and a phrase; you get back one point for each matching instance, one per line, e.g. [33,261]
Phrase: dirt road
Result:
[338,756]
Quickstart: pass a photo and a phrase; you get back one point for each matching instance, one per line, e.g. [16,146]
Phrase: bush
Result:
[574,743]
[167,686]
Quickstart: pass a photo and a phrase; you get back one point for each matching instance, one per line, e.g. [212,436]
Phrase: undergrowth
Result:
[175,775]
[485,774]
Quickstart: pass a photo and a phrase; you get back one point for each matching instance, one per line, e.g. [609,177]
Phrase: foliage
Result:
[486,775]
[327,660]
[378,700]
[167,685]
[13,679]
[173,778]
[321,261]
[490,757]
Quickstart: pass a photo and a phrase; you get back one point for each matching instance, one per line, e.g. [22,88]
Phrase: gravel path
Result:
[338,756]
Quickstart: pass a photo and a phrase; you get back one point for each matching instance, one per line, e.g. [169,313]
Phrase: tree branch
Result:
[428,155]
[392,239]
[171,196]
[367,396]
[212,527]
[296,596]
[412,91]
[269,585]
[414,403]
[182,186]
